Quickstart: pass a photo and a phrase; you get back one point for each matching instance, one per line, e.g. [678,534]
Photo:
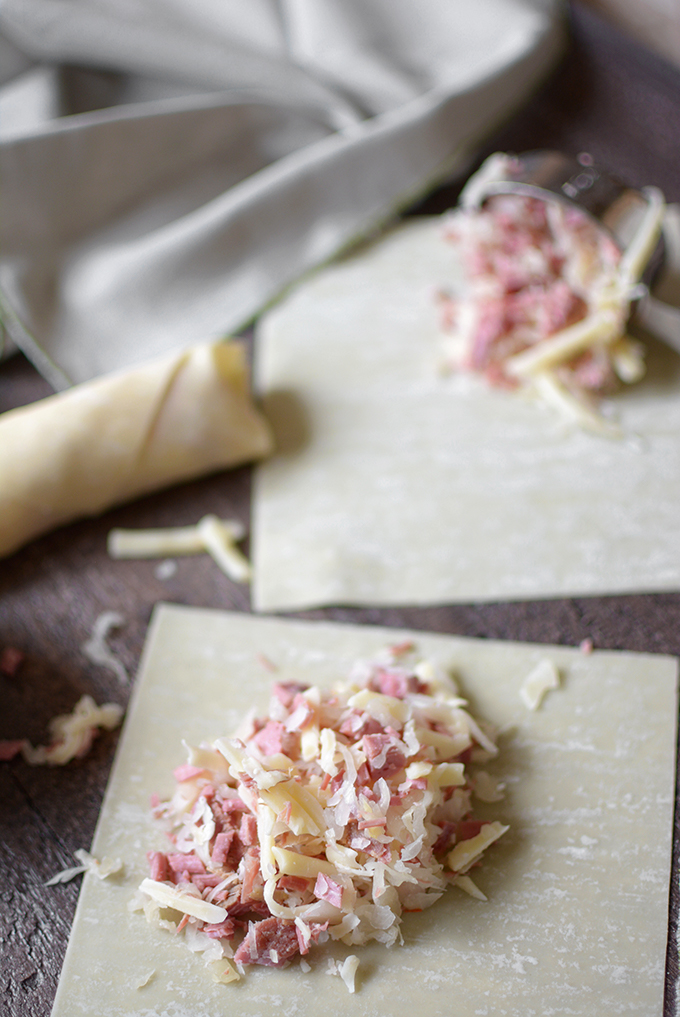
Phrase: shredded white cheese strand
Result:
[165,542]
[211,535]
[73,733]
[96,649]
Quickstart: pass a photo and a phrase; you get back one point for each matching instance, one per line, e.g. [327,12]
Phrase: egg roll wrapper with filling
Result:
[123,435]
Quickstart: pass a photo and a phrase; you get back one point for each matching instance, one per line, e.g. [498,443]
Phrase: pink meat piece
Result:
[251,873]
[249,906]
[445,839]
[10,748]
[286,813]
[232,805]
[296,884]
[593,372]
[561,307]
[270,943]
[247,833]
[179,862]
[415,784]
[366,824]
[11,660]
[358,842]
[327,889]
[316,928]
[385,758]
[377,850]
[159,870]
[358,723]
[220,930]
[285,692]
[491,327]
[186,772]
[390,683]
[466,829]
[301,716]
[206,880]
[396,683]
[270,739]
[221,848]
[303,945]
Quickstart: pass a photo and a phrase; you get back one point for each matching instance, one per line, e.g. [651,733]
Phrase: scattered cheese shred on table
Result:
[72,734]
[96,648]
[324,821]
[540,680]
[88,863]
[211,535]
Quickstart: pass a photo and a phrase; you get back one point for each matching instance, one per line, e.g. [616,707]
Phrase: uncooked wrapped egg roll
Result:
[126,434]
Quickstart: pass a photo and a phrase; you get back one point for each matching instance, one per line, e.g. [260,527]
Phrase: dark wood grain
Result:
[609,97]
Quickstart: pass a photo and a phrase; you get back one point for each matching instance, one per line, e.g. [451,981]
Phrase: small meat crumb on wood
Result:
[11,659]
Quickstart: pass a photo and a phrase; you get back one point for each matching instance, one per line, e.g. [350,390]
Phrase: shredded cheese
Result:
[466,884]
[215,536]
[541,679]
[181,900]
[72,734]
[96,649]
[465,854]
[332,836]
[548,296]
[88,863]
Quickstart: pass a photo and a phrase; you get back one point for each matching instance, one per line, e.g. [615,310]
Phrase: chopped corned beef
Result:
[271,943]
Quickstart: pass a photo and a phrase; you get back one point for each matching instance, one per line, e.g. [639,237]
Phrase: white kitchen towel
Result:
[168,167]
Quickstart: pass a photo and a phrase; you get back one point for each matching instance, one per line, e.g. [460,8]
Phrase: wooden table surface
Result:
[609,97]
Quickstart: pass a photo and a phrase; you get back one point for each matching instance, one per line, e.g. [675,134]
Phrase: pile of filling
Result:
[547,299]
[325,820]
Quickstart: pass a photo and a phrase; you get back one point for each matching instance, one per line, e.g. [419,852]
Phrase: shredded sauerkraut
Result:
[547,298]
[325,820]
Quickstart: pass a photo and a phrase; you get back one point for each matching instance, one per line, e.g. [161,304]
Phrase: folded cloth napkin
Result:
[155,425]
[216,150]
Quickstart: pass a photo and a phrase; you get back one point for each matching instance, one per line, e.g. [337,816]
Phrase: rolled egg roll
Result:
[123,435]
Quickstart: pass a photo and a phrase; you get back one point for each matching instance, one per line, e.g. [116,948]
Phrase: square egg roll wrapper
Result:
[576,918]
[126,434]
